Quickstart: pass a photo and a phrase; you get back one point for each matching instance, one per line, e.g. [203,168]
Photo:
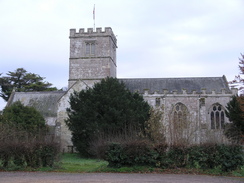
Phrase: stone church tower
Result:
[92,58]
[92,55]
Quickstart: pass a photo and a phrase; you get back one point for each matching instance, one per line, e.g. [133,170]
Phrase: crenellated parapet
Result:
[184,92]
[179,86]
[91,33]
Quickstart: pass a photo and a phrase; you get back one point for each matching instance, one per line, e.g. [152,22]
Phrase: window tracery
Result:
[217,117]
[180,116]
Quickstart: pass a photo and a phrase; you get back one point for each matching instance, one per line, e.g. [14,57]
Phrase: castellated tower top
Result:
[90,33]
[92,54]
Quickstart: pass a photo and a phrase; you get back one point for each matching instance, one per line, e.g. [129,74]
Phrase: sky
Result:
[156,38]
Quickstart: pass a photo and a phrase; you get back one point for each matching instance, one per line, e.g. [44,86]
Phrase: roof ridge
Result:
[174,78]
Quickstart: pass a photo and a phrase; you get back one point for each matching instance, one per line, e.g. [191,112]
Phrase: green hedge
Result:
[133,153]
[21,149]
[226,157]
[206,156]
[33,154]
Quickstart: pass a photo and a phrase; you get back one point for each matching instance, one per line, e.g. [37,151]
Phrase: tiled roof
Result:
[45,102]
[177,84]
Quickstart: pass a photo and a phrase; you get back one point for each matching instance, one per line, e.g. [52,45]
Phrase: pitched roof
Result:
[45,102]
[177,84]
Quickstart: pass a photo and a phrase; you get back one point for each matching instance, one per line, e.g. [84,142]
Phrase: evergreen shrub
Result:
[234,131]
[137,152]
[25,117]
[206,156]
[106,108]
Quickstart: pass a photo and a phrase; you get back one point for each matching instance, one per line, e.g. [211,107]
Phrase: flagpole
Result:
[94,18]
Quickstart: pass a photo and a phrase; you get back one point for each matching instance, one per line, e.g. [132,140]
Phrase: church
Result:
[192,107]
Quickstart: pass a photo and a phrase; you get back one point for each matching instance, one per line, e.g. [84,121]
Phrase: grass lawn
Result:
[74,163]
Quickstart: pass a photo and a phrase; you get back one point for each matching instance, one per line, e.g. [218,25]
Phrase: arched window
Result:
[217,116]
[180,116]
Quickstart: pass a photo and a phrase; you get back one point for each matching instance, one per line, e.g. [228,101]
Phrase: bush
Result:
[175,157]
[115,155]
[21,149]
[235,112]
[25,117]
[197,157]
[228,157]
[136,152]
[206,156]
[34,155]
[209,156]
[154,128]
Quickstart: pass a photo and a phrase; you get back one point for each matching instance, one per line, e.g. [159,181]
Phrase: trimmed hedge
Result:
[14,156]
[20,149]
[23,149]
[206,156]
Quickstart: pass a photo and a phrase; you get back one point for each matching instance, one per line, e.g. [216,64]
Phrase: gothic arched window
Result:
[217,116]
[180,116]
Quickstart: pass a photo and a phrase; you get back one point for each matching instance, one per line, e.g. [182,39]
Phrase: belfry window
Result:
[217,117]
[90,48]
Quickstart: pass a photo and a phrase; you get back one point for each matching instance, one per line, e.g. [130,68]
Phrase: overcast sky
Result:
[156,38]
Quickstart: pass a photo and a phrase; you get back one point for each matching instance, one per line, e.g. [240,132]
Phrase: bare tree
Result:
[238,82]
[181,126]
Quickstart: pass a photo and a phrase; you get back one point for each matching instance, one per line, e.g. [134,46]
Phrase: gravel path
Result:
[51,177]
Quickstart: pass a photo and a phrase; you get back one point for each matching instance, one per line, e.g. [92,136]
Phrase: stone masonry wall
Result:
[199,114]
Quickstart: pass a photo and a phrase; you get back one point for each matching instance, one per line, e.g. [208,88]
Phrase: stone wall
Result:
[198,107]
